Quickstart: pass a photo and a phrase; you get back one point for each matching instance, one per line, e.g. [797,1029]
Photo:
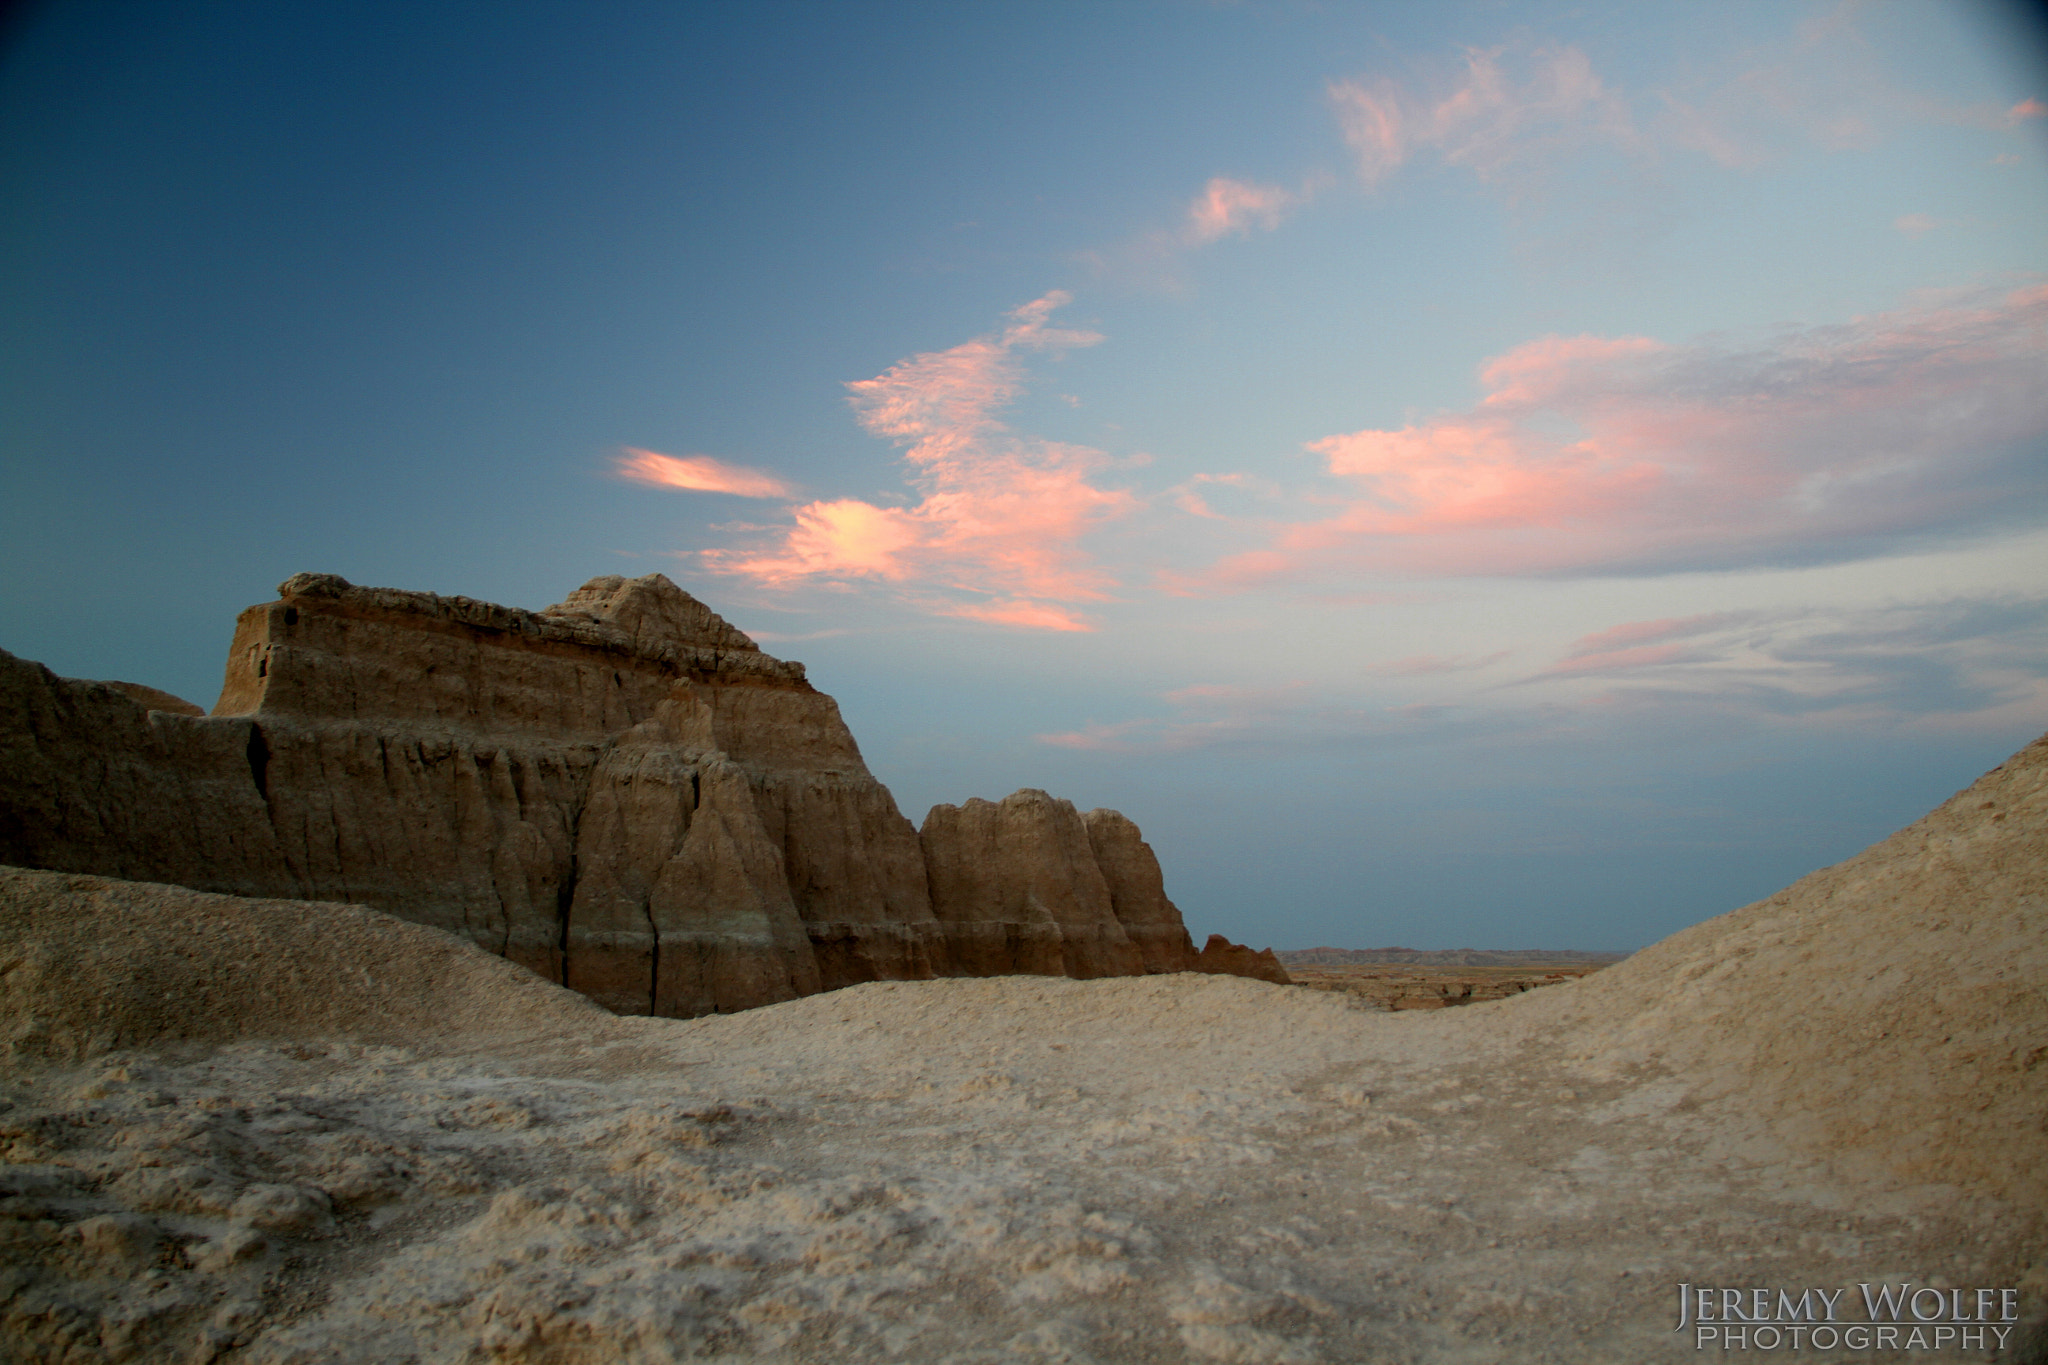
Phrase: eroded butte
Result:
[622,793]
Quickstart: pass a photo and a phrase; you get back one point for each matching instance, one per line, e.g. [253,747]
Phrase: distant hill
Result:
[1446,957]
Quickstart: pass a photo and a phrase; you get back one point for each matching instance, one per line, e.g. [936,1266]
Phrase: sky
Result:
[1510,475]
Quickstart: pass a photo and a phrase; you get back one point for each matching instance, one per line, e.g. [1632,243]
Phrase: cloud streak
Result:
[697,474]
[997,535]
[1228,208]
[1967,660]
[1978,662]
[1601,455]
[1510,114]
[1505,112]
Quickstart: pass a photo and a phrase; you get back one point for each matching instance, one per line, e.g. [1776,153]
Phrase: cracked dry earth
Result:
[1158,1169]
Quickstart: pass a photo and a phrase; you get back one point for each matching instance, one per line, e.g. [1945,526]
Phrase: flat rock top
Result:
[649,617]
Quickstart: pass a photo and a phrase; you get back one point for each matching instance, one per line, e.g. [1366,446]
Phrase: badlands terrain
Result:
[481,985]
[275,1131]
[621,792]
[1434,986]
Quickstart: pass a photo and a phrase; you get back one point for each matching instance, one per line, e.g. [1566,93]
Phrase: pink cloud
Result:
[1503,114]
[1028,615]
[1636,645]
[845,536]
[1509,112]
[1228,206]
[1634,633]
[1955,663]
[1188,498]
[698,473]
[1828,86]
[1002,515]
[1099,738]
[1597,455]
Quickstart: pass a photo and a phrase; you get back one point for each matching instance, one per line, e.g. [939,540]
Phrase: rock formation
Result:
[1020,889]
[1221,956]
[622,793]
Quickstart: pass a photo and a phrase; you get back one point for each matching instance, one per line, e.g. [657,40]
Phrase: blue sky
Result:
[1501,474]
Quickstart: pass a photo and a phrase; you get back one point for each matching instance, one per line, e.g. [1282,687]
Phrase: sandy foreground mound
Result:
[291,1132]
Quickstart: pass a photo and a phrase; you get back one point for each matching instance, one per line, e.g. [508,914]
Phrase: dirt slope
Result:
[1889,1013]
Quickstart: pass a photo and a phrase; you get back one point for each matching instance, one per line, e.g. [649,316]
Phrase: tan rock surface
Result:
[1221,956]
[286,1163]
[1018,889]
[622,793]
[1137,892]
[91,779]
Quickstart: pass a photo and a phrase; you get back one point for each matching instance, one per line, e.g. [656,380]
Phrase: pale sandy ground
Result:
[273,1132]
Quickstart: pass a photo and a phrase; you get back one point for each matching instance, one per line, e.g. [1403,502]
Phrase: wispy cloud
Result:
[1918,225]
[1972,663]
[1636,645]
[1827,87]
[1189,498]
[1971,659]
[1225,207]
[997,534]
[1506,111]
[1630,455]
[697,473]
[1663,628]
[1015,612]
[1511,113]
[1233,207]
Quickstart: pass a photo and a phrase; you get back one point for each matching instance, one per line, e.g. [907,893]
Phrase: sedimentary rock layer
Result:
[621,792]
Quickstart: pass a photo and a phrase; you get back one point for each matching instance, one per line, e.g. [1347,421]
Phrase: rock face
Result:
[622,793]
[1225,958]
[1019,890]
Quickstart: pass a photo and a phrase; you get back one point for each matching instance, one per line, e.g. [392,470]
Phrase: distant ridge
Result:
[1446,957]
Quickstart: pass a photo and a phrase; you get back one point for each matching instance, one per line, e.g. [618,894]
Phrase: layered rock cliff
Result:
[621,792]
